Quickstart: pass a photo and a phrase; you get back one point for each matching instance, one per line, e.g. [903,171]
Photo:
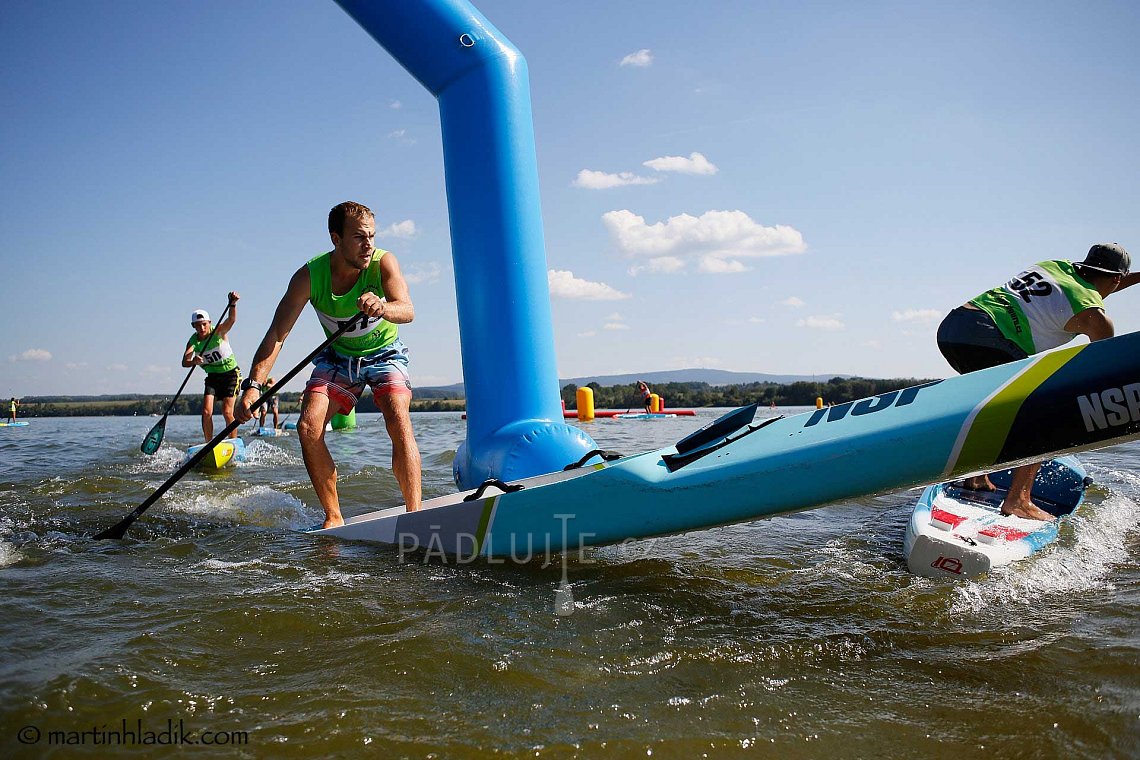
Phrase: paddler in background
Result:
[276,409]
[12,406]
[354,276]
[214,355]
[646,395]
[1046,306]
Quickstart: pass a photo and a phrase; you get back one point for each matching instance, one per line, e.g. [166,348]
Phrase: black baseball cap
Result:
[1110,258]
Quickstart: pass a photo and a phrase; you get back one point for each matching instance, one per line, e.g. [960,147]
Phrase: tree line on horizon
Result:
[687,395]
[677,395]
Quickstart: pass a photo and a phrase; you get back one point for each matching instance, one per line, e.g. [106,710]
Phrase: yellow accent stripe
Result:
[990,427]
[484,523]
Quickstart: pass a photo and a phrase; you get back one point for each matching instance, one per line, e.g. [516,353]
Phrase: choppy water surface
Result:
[796,637]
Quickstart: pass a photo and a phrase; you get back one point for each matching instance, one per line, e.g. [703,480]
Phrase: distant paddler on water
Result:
[13,405]
[210,349]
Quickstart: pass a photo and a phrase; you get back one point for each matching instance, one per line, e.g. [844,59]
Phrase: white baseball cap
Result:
[199,315]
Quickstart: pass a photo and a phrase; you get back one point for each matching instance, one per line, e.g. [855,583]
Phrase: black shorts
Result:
[223,384]
[970,341]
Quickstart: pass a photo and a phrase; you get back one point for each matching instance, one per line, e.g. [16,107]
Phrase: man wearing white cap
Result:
[1046,306]
[213,354]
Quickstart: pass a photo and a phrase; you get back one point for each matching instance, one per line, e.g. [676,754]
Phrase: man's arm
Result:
[225,327]
[290,307]
[397,304]
[189,358]
[1128,281]
[1093,323]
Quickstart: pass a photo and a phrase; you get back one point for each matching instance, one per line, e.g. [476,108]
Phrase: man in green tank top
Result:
[214,355]
[353,277]
[1045,306]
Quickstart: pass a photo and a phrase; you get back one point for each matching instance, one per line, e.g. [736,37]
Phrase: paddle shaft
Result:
[120,529]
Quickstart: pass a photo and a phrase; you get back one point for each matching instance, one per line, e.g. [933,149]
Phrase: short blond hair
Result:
[342,211]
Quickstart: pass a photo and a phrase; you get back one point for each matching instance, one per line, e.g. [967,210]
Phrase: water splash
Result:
[261,506]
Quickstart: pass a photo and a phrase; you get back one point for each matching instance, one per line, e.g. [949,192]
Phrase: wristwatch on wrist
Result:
[249,382]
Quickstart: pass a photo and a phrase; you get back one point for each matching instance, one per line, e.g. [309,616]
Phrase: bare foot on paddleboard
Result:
[1028,510]
[981,483]
[333,522]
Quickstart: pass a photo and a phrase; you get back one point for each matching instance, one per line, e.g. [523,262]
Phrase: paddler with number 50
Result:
[353,277]
[214,355]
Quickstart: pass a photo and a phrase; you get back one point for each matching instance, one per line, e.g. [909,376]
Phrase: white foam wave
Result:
[257,505]
[261,453]
[1093,541]
[9,555]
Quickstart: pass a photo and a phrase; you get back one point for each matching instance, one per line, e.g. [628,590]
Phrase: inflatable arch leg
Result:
[515,426]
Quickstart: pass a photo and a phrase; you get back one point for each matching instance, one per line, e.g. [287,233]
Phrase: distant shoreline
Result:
[676,395]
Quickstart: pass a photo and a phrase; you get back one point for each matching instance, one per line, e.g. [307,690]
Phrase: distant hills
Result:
[714,377]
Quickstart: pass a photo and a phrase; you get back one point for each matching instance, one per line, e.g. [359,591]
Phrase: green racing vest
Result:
[369,334]
[217,356]
[1033,308]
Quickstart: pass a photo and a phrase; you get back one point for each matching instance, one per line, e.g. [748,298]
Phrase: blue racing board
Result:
[735,470]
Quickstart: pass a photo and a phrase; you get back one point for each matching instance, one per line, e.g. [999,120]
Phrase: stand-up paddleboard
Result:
[643,416]
[221,456]
[269,432]
[289,426]
[13,424]
[735,470]
[961,533]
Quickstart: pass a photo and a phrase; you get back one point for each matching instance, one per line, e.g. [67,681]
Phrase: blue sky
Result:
[775,187]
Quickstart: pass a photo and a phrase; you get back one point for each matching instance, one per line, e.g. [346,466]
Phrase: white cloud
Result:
[117,367]
[793,302]
[401,136]
[75,365]
[717,240]
[756,320]
[922,316]
[32,355]
[416,275]
[696,163]
[641,59]
[661,264]
[821,323]
[615,317]
[563,284]
[405,229]
[395,105]
[615,326]
[713,265]
[592,180]
[588,334]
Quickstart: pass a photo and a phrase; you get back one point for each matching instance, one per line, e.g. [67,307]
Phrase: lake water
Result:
[797,637]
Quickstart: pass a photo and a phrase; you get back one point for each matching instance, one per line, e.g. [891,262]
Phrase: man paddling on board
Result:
[214,355]
[354,276]
[1045,306]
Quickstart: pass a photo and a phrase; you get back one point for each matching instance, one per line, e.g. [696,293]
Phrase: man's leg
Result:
[1017,501]
[316,411]
[228,413]
[208,415]
[405,452]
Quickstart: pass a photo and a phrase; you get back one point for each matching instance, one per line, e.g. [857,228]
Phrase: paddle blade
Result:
[153,439]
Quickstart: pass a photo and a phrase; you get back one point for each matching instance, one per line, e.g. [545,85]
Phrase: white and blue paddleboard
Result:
[644,416]
[737,469]
[13,424]
[956,532]
[269,432]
